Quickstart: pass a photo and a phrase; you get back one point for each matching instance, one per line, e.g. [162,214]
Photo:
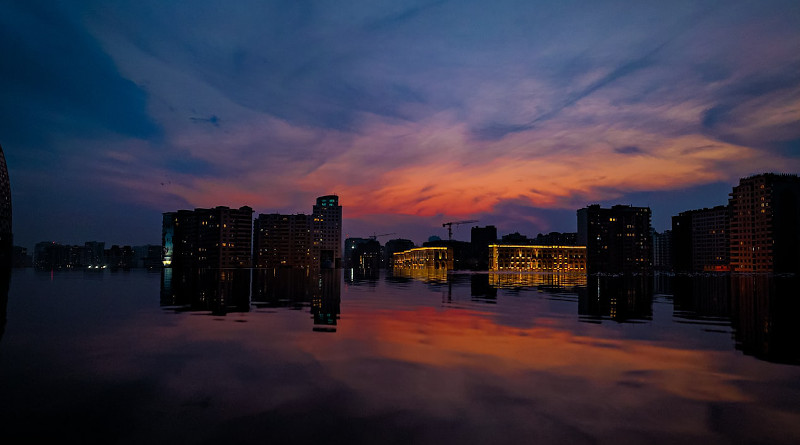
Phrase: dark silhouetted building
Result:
[219,237]
[515,238]
[21,257]
[765,224]
[350,245]
[556,239]
[363,253]
[701,240]
[481,238]
[6,237]
[327,214]
[284,241]
[662,250]
[617,240]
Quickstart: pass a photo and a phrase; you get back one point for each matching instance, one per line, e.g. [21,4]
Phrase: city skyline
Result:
[414,114]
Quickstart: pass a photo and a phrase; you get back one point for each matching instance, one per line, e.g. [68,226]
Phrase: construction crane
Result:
[449,226]
[375,237]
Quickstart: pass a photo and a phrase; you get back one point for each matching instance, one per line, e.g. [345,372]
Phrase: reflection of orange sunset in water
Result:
[455,339]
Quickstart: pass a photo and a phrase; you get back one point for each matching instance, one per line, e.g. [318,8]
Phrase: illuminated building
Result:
[509,257]
[701,240]
[327,214]
[425,258]
[765,224]
[393,246]
[284,241]
[617,240]
[6,238]
[219,237]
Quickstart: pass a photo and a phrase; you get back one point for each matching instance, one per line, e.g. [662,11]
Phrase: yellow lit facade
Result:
[512,280]
[537,258]
[425,258]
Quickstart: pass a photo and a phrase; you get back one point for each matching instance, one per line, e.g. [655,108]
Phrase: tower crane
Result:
[375,237]
[449,226]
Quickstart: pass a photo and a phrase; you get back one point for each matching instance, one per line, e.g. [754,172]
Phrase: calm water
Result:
[137,357]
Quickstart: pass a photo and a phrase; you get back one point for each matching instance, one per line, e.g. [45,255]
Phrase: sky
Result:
[514,113]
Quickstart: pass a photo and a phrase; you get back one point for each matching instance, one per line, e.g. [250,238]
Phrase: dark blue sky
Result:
[515,113]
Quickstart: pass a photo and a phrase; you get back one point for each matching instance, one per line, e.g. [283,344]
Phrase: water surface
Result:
[342,357]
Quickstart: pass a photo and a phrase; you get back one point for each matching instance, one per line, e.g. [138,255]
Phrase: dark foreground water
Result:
[137,357]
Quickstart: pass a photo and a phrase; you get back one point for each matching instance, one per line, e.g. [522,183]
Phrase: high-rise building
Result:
[701,240]
[617,240]
[219,237]
[327,216]
[481,238]
[6,238]
[662,250]
[284,241]
[765,224]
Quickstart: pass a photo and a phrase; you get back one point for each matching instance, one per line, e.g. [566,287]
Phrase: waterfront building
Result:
[393,246]
[617,240]
[662,250]
[284,241]
[481,238]
[350,246]
[327,215]
[218,237]
[518,258]
[6,237]
[701,240]
[438,258]
[765,224]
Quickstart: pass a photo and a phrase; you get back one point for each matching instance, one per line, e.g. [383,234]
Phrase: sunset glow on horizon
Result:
[418,113]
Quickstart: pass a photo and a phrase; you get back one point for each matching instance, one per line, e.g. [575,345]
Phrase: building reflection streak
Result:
[224,291]
[624,298]
[759,309]
[220,291]
[764,317]
[319,290]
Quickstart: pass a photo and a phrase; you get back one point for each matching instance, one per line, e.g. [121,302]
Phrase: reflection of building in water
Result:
[362,276]
[517,280]
[481,288]
[326,302]
[220,291]
[765,224]
[619,298]
[298,289]
[537,258]
[428,275]
[765,310]
[425,258]
[702,298]
[617,240]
